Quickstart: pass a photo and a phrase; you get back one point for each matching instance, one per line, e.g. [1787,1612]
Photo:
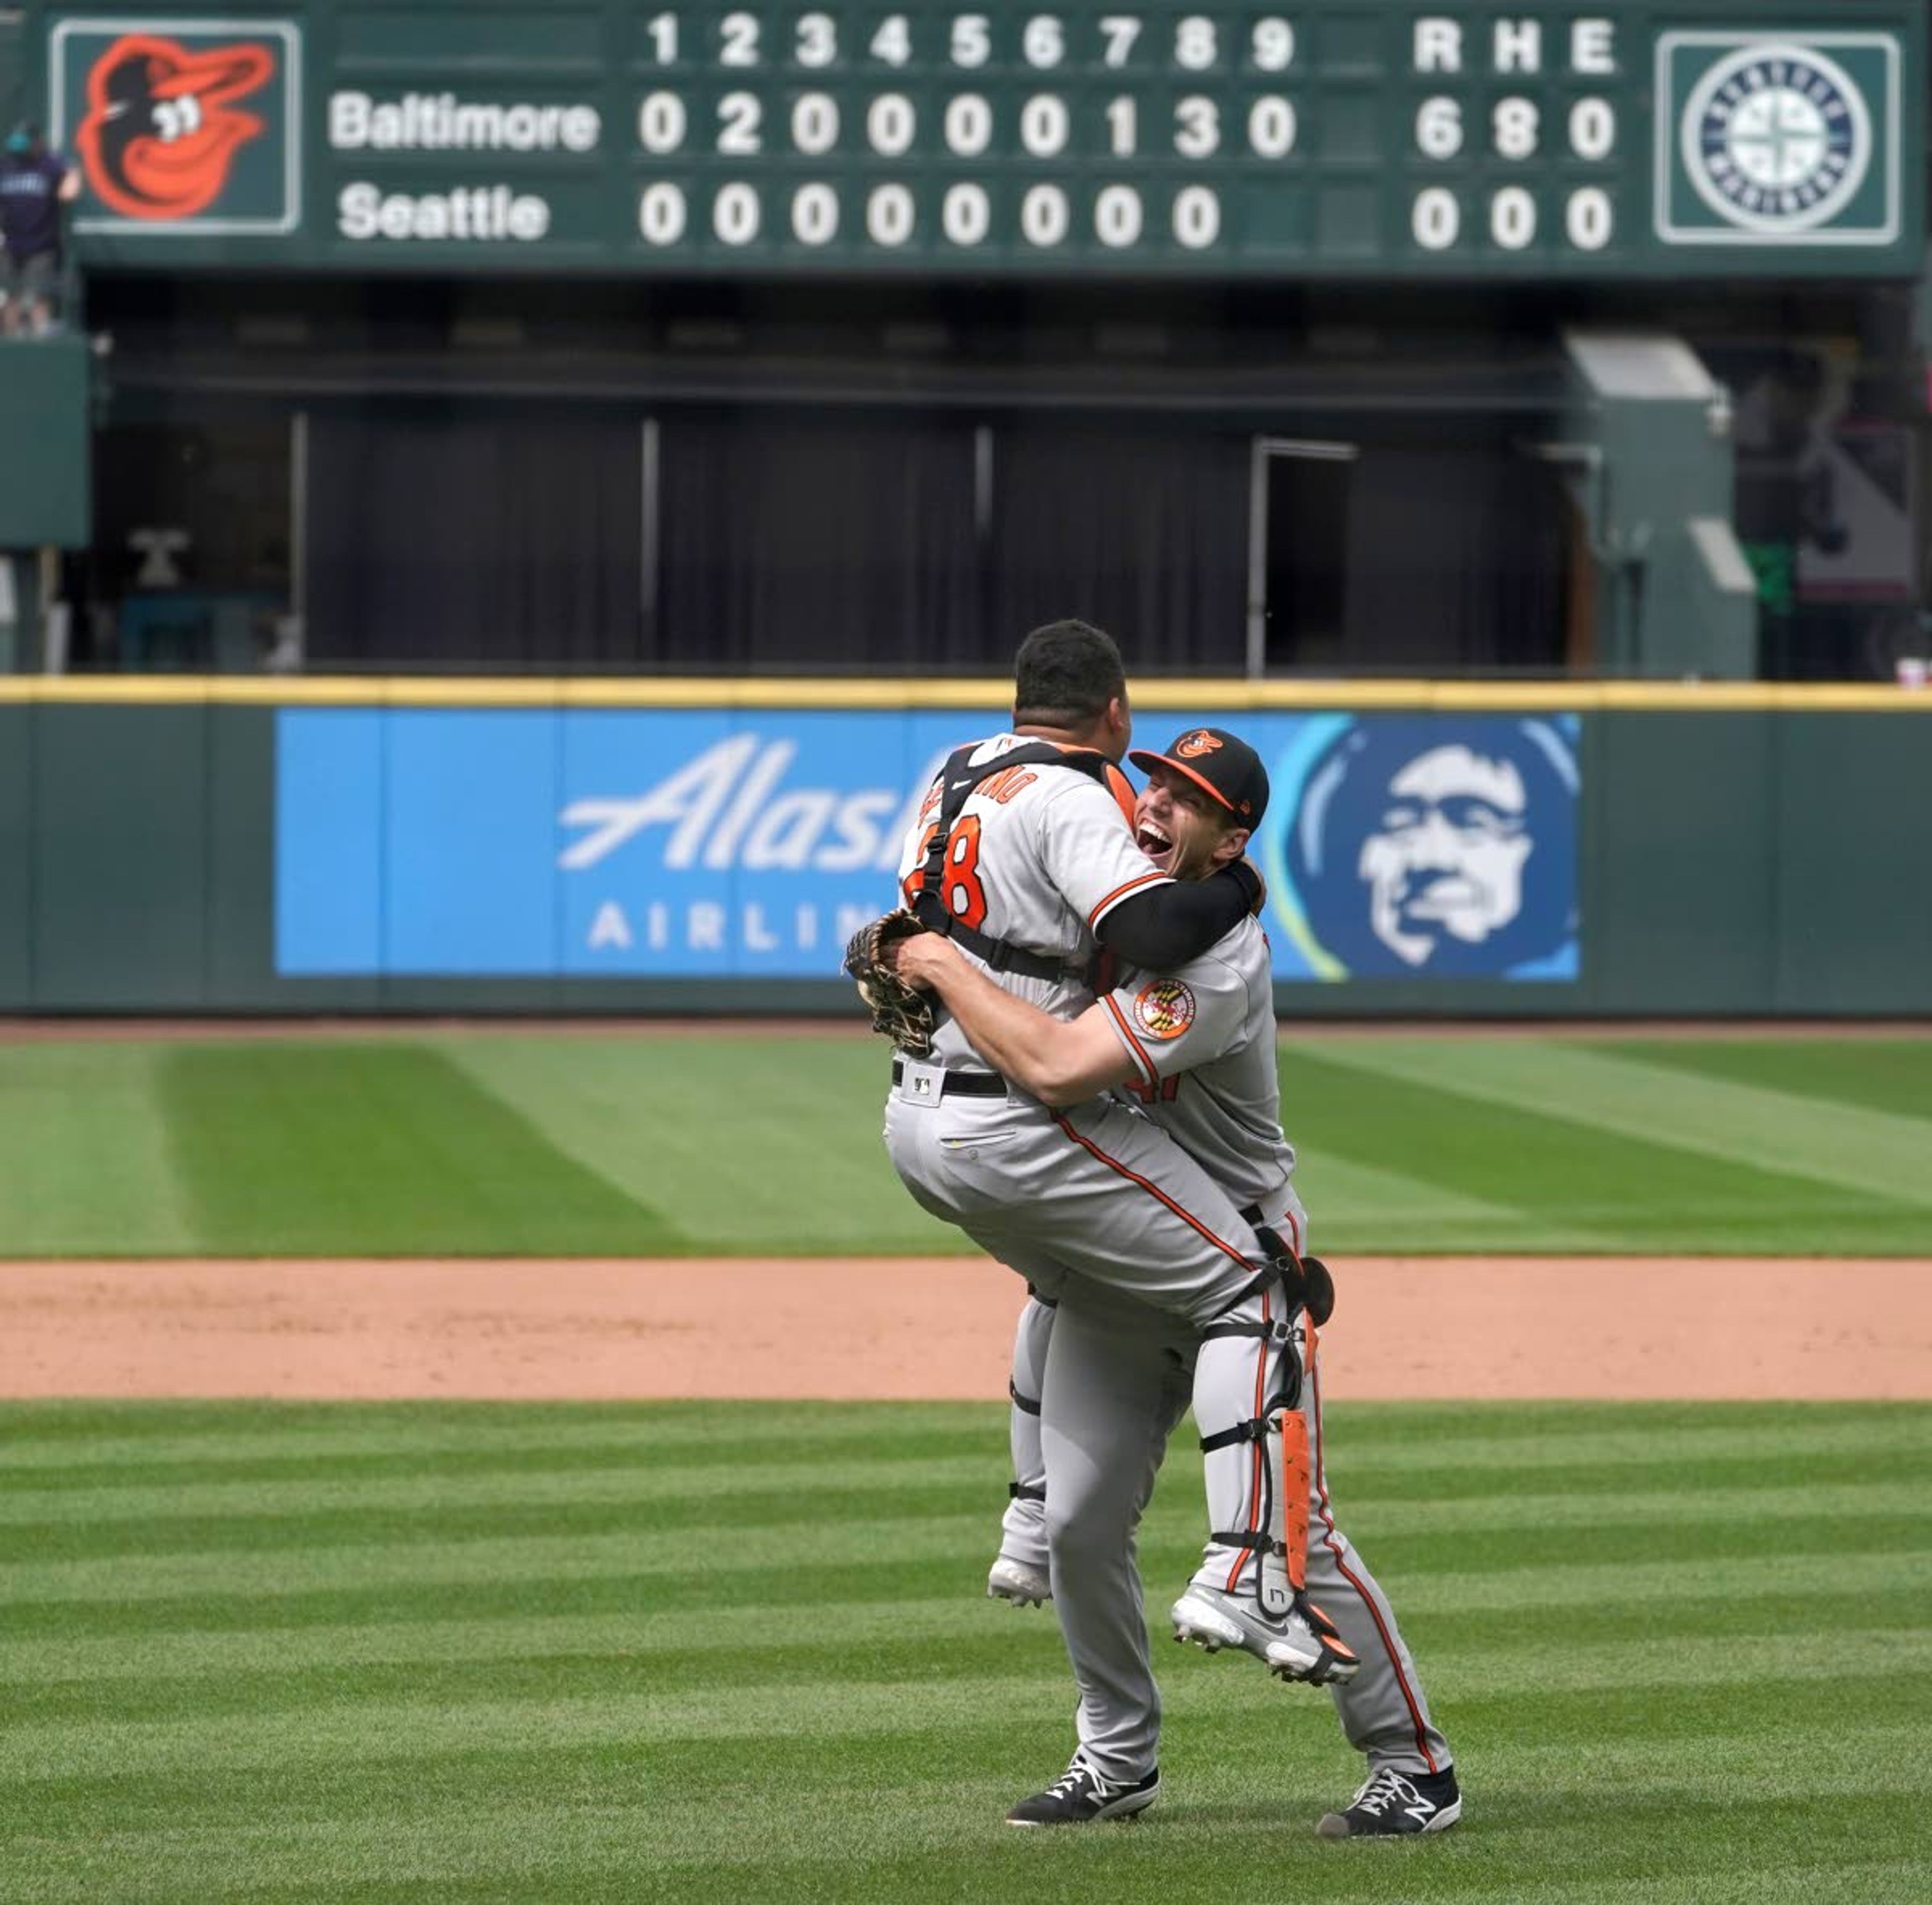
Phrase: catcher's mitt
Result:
[902,1012]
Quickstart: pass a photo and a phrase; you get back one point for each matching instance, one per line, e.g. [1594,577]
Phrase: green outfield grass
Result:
[721,1652]
[510,1143]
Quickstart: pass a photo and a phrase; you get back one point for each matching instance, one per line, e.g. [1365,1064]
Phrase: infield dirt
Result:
[934,1329]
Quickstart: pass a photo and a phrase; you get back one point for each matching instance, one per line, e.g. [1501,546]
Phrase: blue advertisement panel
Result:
[719,843]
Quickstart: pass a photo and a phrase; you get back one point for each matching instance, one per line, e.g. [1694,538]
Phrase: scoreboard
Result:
[1269,138]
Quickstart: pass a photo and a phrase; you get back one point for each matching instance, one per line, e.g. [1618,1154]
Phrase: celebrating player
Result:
[1196,1047]
[1024,857]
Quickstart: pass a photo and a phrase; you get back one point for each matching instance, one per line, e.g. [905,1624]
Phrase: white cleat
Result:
[1292,1647]
[1008,1579]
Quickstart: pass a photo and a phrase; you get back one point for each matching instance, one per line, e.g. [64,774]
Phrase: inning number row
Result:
[1195,42]
[815,123]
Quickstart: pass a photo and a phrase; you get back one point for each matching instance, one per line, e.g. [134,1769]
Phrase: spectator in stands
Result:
[34,186]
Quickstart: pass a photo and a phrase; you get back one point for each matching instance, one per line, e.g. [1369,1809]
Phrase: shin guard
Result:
[1023,1528]
[1246,1378]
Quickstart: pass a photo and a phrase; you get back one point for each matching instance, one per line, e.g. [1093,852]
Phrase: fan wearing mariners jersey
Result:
[1195,1046]
[1023,858]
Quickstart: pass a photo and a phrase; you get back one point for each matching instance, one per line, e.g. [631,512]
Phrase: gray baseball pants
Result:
[1100,1198]
[1128,1369]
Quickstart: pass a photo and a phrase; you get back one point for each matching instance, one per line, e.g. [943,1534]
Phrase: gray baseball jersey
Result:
[1202,1042]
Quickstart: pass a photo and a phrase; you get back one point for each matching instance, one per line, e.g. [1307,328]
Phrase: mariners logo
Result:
[1779,142]
[1164,1009]
[1776,139]
[1428,847]
[182,126]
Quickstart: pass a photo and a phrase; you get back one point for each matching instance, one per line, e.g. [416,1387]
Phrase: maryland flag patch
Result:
[1164,1009]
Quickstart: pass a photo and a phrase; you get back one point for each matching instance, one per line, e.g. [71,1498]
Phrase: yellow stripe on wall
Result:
[778,691]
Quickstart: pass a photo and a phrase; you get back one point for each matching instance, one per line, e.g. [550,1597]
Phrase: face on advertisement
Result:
[1448,859]
[1182,828]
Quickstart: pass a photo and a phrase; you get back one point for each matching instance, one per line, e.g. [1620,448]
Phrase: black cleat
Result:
[1080,1794]
[1392,1805]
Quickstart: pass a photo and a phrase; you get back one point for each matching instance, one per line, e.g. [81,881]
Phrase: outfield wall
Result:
[176,845]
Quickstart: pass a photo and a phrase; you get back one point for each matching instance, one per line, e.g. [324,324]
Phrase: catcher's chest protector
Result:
[957,778]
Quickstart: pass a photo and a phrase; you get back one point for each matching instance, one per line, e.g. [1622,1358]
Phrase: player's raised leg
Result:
[1250,1591]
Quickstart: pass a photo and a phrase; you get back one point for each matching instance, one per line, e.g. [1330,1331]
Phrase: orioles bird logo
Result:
[161,128]
[1199,742]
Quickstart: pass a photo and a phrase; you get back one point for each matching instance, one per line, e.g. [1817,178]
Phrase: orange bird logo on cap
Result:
[1199,742]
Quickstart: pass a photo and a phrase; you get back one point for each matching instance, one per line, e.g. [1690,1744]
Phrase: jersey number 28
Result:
[959,871]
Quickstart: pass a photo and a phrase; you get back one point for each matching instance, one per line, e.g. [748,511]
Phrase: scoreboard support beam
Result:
[1651,464]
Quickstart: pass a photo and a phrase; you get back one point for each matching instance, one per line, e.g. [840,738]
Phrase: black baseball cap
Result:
[1222,763]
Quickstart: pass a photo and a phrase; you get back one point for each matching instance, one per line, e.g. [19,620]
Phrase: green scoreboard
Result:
[1304,138]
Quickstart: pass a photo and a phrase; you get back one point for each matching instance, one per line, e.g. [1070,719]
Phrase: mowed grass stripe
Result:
[757,1146]
[900,1843]
[1891,1074]
[1587,1182]
[804,1519]
[378,1149]
[917,1850]
[1880,1154]
[59,1445]
[900,1822]
[951,1482]
[952,1486]
[1369,1470]
[866,1705]
[56,1434]
[1495,1610]
[936,1645]
[1409,1213]
[455,1632]
[87,1170]
[1285,1739]
[412,1730]
[947,1655]
[1883,1674]
[116,1585]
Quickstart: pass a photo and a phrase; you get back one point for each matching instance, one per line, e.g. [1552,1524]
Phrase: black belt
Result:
[961,1084]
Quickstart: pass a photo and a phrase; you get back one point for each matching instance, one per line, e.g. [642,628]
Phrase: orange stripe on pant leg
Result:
[1368,1600]
[1193,1223]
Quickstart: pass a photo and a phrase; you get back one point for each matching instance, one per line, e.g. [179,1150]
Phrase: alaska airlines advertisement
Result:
[643,843]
